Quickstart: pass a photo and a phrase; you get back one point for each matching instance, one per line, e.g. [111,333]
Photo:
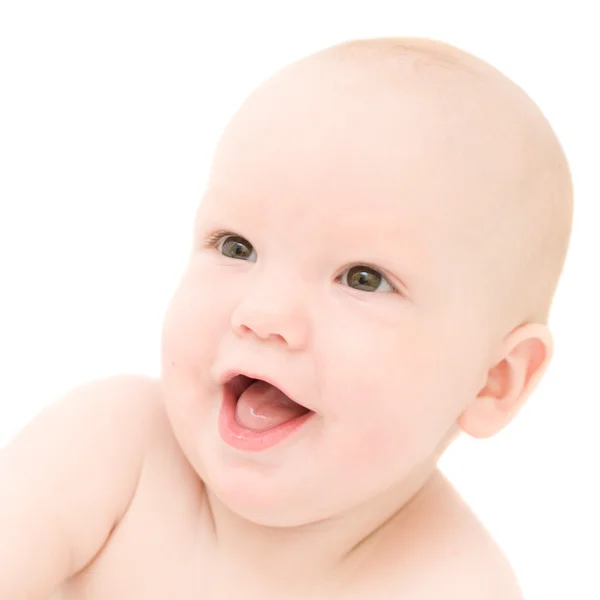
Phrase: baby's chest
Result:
[154,564]
[154,559]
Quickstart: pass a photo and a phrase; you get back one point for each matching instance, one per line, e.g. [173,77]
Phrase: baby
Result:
[373,263]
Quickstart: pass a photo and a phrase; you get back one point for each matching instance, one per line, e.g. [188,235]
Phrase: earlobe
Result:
[523,359]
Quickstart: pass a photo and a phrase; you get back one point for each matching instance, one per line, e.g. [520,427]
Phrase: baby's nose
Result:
[273,318]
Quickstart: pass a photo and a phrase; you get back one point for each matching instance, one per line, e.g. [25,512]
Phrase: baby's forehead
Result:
[389,153]
[384,159]
[370,193]
[334,224]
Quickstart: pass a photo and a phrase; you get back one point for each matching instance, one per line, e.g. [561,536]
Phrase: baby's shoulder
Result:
[441,551]
[462,560]
[72,473]
[474,571]
[162,483]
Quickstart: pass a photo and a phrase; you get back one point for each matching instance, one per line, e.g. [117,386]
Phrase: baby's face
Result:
[329,255]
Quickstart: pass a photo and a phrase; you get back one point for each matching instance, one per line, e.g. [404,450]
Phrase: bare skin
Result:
[165,544]
[326,167]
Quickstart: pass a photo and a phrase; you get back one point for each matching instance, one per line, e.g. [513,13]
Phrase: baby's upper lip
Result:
[239,386]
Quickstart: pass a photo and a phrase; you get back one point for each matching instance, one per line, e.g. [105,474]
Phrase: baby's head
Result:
[382,232]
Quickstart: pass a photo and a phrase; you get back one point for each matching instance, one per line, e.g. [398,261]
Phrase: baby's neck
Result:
[320,551]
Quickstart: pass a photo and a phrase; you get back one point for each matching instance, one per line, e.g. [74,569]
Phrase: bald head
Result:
[521,227]
[477,130]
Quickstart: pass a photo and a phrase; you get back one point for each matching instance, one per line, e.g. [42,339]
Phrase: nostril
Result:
[260,332]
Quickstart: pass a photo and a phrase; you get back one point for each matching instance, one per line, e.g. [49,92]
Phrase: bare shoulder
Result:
[474,571]
[136,395]
[439,549]
[120,410]
[474,568]
[69,476]
[463,561]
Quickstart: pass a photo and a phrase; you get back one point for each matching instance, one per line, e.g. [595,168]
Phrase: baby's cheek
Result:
[388,420]
[188,335]
[380,445]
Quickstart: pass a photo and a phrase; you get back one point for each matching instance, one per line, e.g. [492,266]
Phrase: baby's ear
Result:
[520,364]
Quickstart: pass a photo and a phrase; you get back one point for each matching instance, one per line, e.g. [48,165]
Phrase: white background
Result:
[109,112]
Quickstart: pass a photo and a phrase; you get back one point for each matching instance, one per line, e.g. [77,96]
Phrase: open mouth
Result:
[261,406]
[256,415]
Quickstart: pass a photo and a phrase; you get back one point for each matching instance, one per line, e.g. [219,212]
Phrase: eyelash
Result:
[214,238]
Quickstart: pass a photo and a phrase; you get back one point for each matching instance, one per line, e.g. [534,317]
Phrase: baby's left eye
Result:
[367,279]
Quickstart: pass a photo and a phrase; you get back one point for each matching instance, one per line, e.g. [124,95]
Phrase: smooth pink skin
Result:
[386,372]
[318,180]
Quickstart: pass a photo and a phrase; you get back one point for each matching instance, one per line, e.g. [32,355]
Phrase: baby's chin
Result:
[292,498]
[267,502]
[283,500]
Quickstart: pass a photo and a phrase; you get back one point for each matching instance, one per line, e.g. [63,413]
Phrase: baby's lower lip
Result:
[241,438]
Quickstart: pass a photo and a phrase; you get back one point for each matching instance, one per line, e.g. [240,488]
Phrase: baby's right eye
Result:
[231,245]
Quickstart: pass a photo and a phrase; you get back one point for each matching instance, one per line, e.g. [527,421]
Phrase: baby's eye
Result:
[367,279]
[235,246]
[231,245]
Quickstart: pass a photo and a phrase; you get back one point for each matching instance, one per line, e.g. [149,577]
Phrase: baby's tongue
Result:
[263,407]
